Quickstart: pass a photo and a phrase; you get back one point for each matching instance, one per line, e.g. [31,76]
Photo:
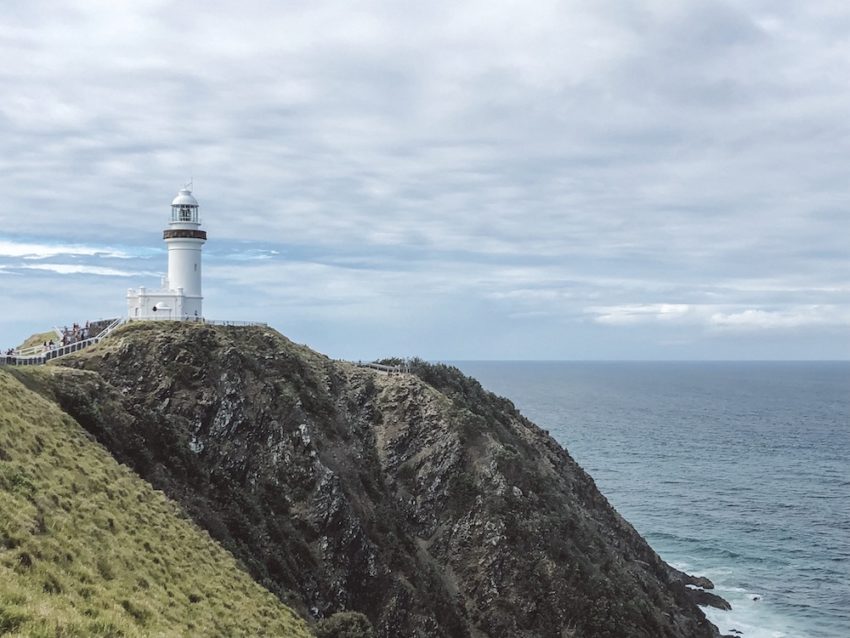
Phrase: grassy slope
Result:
[89,549]
[38,339]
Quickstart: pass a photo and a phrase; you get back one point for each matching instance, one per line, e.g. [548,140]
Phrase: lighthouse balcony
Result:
[183,233]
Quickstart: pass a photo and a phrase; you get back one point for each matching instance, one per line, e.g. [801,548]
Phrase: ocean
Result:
[735,471]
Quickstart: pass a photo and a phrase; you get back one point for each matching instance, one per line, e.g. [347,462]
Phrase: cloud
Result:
[251,254]
[83,269]
[797,317]
[638,313]
[614,165]
[29,250]
[724,318]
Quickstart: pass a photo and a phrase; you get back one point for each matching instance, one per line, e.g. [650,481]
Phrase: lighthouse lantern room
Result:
[179,297]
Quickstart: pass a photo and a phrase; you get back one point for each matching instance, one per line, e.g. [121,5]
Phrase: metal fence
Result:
[36,355]
[220,322]
[399,369]
[27,358]
[210,322]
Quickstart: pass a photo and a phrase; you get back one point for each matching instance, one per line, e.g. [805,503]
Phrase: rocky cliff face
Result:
[420,500]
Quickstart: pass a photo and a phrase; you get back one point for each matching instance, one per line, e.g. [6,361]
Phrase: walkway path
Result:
[399,369]
[37,355]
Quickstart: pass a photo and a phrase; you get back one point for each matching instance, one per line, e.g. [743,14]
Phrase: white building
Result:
[179,297]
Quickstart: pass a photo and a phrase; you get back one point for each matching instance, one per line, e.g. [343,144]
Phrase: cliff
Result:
[421,500]
[87,548]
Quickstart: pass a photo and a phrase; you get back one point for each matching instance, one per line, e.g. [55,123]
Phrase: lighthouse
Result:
[179,297]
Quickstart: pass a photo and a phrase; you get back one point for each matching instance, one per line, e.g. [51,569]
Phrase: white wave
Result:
[753,616]
[751,613]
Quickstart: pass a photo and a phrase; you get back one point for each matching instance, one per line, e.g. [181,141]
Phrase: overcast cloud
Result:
[476,180]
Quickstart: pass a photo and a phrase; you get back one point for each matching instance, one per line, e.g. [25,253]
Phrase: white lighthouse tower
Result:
[179,297]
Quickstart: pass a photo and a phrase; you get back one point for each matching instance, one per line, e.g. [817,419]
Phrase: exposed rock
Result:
[695,587]
[422,501]
[686,579]
[702,597]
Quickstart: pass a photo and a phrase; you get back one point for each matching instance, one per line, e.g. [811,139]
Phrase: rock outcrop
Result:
[420,500]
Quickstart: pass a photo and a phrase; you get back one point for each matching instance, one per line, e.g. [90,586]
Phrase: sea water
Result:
[736,471]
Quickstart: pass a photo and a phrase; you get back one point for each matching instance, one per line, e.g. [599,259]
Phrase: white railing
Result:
[26,352]
[12,360]
[168,317]
[36,355]
[211,322]
[223,322]
[399,369]
[22,359]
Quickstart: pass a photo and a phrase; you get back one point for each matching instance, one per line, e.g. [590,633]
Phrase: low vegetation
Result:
[345,624]
[38,339]
[89,549]
[419,501]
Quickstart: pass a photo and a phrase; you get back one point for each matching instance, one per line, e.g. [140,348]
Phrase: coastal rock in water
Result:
[700,581]
[702,597]
[676,575]
[422,501]
[696,590]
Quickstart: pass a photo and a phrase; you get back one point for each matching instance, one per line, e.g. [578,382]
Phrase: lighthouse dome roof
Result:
[184,198]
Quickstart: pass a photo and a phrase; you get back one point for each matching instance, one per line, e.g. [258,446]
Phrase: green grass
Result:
[89,549]
[37,340]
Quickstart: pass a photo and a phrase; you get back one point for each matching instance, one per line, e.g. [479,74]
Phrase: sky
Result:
[479,180]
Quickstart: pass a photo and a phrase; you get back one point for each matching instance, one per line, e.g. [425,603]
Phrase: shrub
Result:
[52,585]
[139,613]
[11,618]
[345,624]
[104,567]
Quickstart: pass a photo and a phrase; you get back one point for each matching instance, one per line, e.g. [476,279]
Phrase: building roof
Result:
[184,198]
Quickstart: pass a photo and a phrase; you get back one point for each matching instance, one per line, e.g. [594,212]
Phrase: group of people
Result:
[47,346]
[75,334]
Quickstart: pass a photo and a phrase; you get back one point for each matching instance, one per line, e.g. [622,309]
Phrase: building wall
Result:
[184,266]
[169,304]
